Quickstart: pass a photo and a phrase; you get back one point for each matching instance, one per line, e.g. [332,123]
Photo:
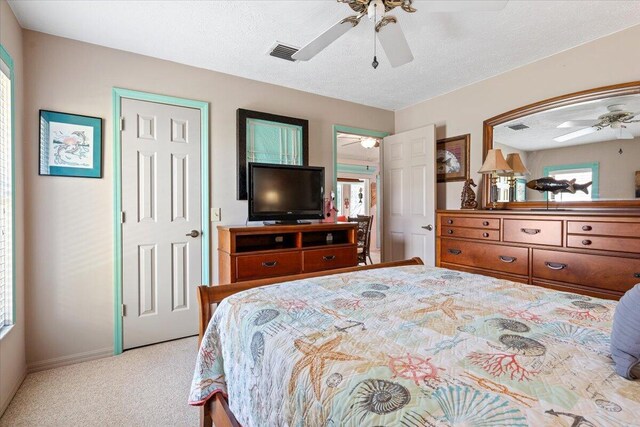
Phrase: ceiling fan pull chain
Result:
[374,64]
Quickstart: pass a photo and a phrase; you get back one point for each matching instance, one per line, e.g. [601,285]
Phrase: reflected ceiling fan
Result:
[365,141]
[386,27]
[615,119]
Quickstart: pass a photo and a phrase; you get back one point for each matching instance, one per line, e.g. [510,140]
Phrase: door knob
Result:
[428,227]
[194,234]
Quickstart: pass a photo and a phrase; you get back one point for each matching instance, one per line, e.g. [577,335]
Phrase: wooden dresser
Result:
[248,253]
[591,253]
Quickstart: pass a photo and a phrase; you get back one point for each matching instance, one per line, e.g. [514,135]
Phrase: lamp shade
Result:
[495,163]
[515,163]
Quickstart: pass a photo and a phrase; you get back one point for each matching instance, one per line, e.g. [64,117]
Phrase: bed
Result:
[408,345]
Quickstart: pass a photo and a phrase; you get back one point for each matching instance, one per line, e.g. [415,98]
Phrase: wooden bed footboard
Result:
[216,411]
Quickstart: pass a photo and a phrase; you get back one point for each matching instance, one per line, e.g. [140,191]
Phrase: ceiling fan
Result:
[365,141]
[615,119]
[386,27]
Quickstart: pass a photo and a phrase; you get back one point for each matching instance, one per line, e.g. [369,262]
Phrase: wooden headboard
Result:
[210,295]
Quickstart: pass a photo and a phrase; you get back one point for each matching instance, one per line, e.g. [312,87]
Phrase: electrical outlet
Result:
[216,214]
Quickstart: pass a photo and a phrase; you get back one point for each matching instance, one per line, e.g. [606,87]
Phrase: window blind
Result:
[6,198]
[270,142]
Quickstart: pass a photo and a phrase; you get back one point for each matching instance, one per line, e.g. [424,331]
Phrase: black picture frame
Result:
[242,116]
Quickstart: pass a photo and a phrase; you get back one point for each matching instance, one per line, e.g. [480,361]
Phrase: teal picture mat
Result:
[93,122]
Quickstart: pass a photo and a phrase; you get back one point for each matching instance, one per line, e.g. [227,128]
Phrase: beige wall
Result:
[617,171]
[12,345]
[70,221]
[606,61]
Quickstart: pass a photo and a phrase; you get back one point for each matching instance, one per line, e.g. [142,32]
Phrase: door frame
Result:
[117,95]
[362,132]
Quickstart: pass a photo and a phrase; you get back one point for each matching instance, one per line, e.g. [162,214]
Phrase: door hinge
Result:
[122,217]
[121,123]
[124,310]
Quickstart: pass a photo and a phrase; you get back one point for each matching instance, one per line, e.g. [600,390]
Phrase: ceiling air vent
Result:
[519,126]
[283,51]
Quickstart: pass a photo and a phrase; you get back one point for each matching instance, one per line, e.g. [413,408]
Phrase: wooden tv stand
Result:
[257,252]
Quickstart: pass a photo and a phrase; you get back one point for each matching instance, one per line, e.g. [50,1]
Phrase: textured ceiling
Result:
[543,126]
[451,49]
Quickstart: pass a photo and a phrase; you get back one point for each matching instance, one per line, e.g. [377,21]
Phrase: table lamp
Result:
[518,169]
[494,165]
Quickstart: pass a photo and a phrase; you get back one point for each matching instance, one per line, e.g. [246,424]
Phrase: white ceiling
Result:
[451,49]
[349,151]
[543,126]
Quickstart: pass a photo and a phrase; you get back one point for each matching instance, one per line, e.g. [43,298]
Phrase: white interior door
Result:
[409,194]
[161,233]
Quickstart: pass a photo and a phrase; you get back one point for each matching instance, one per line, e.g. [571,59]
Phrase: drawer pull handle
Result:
[449,231]
[485,234]
[485,223]
[449,221]
[455,251]
[636,275]
[329,257]
[555,265]
[269,264]
[586,242]
[586,228]
[508,259]
[530,230]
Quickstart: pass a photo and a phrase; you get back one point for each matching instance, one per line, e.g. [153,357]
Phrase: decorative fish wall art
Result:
[556,186]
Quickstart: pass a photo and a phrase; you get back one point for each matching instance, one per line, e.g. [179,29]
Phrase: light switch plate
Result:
[216,214]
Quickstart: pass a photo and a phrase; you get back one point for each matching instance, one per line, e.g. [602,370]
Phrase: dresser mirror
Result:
[592,137]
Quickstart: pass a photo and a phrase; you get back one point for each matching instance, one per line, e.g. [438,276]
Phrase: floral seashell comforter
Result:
[414,346]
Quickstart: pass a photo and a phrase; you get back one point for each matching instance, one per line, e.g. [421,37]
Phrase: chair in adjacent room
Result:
[363,237]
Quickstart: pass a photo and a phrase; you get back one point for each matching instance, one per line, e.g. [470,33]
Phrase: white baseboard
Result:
[69,360]
[5,404]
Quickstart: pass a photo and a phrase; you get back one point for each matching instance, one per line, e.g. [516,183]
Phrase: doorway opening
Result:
[357,172]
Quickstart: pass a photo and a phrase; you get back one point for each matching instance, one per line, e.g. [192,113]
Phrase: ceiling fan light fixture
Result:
[368,142]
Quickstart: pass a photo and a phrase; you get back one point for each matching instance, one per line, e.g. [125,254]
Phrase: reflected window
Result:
[582,174]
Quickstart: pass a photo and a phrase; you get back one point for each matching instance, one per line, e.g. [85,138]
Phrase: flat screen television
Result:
[284,193]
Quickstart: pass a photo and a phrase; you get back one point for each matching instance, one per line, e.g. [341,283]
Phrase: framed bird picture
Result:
[452,158]
[70,145]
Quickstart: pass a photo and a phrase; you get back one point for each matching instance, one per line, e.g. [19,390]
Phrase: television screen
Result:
[283,192]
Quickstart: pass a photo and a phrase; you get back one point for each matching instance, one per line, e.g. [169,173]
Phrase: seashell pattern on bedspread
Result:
[414,346]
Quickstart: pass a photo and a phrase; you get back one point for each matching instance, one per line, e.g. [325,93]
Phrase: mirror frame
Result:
[631,88]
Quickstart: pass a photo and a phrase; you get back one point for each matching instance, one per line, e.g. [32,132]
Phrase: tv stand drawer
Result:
[329,258]
[250,267]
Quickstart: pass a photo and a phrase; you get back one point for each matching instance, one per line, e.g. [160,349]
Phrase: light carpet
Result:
[145,386]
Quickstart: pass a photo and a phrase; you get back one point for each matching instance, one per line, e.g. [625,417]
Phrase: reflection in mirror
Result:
[591,149]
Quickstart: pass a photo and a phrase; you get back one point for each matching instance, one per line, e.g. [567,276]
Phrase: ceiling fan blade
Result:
[395,44]
[318,44]
[623,133]
[577,123]
[576,134]
[351,143]
[435,6]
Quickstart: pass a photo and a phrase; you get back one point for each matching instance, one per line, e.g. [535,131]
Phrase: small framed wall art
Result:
[70,145]
[637,184]
[452,158]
